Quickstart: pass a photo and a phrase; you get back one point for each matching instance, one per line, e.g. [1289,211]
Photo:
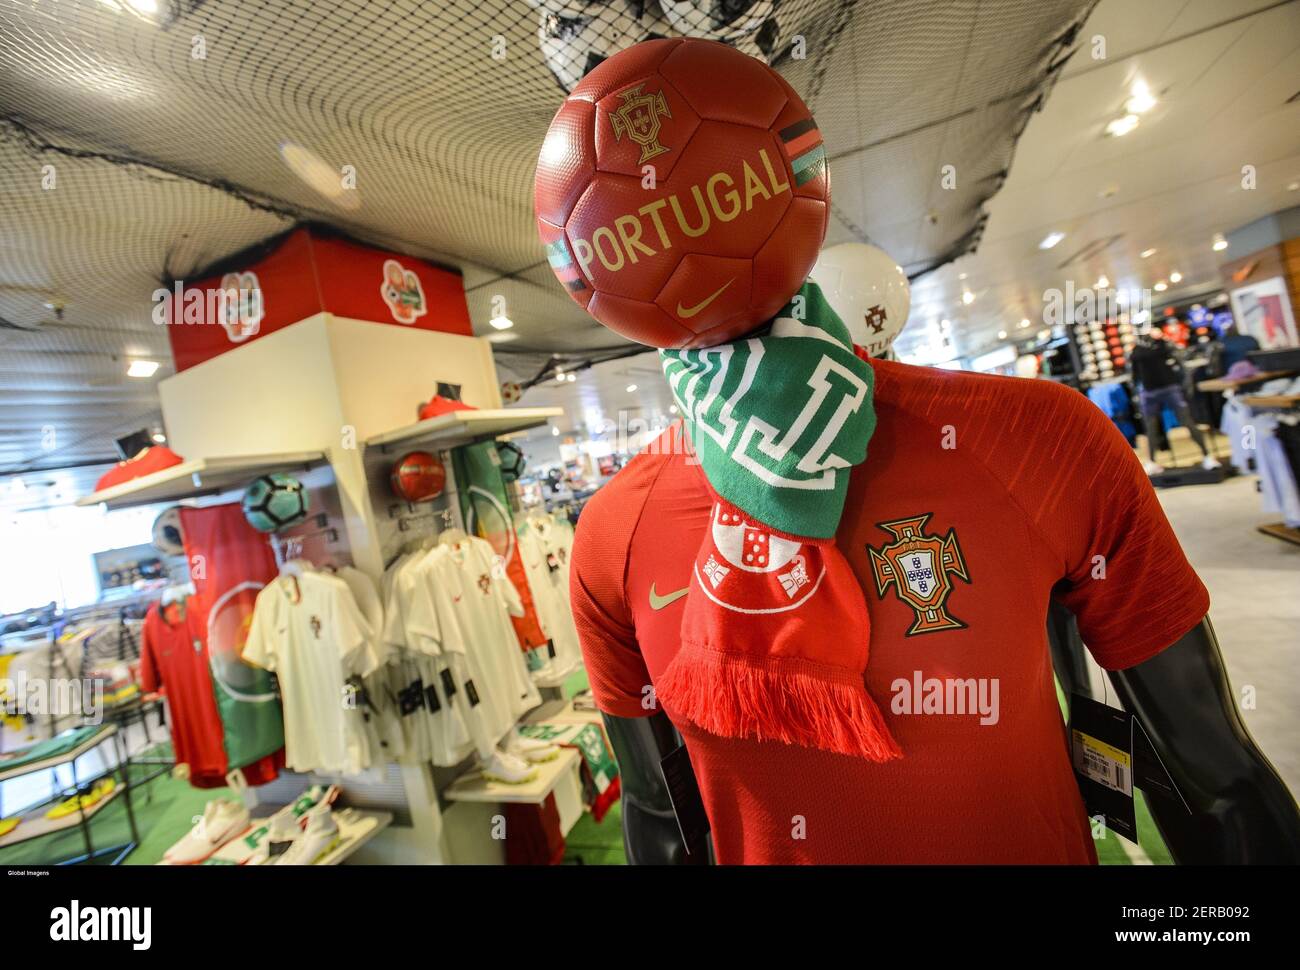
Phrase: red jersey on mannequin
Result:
[979,498]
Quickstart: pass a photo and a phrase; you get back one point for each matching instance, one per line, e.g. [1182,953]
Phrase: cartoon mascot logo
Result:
[241,310]
[402,292]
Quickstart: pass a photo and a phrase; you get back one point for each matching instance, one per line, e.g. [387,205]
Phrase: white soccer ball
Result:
[869,292]
[726,20]
[575,37]
[167,537]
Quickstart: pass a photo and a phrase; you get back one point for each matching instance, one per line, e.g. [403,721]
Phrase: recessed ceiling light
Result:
[1122,126]
[501,323]
[159,437]
[672,408]
[142,368]
[555,432]
[1051,239]
[945,324]
[1002,335]
[631,388]
[1220,244]
[1024,323]
[1175,277]
[571,377]
[1141,100]
[320,175]
[559,377]
[967,297]
[1161,286]
[1103,282]
[1147,253]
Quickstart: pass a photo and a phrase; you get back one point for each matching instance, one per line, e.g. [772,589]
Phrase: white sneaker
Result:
[222,821]
[530,749]
[1151,468]
[508,769]
[1209,463]
[282,831]
[318,838]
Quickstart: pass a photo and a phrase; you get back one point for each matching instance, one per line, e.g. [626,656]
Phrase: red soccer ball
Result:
[418,477]
[682,193]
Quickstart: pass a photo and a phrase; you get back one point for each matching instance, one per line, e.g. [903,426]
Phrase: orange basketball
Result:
[682,193]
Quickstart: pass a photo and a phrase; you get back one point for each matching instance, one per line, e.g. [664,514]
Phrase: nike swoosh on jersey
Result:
[687,312]
[658,602]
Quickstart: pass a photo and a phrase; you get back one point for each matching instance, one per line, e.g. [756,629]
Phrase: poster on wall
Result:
[1263,310]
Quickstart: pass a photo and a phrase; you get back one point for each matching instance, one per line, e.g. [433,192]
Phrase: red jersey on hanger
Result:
[172,656]
[979,498]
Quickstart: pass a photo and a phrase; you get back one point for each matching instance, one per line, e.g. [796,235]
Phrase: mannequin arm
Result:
[1241,810]
[650,833]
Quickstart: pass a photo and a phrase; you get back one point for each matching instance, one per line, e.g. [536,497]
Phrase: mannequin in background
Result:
[1155,371]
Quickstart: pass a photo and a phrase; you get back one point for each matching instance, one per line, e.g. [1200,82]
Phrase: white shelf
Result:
[202,476]
[464,427]
[105,732]
[473,787]
[36,824]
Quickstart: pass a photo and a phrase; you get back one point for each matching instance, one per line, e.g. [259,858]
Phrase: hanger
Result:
[451,537]
[180,593]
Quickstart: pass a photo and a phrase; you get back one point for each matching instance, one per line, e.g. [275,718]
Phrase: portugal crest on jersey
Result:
[920,567]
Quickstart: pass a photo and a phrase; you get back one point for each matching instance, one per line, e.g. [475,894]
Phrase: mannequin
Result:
[1240,810]
[1153,364]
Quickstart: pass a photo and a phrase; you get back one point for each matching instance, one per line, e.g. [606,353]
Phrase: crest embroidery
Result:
[920,567]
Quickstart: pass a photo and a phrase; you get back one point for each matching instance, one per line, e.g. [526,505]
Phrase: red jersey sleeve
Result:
[1127,580]
[615,667]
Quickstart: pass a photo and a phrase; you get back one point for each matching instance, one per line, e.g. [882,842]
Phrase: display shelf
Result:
[463,428]
[1271,400]
[35,825]
[53,761]
[355,830]
[1280,530]
[473,787]
[202,476]
[1227,384]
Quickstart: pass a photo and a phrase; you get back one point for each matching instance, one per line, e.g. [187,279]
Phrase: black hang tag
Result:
[471,693]
[431,699]
[1101,749]
[448,684]
[688,804]
[278,848]
[411,697]
[550,649]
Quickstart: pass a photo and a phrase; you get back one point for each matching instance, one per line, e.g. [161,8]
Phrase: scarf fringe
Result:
[730,697]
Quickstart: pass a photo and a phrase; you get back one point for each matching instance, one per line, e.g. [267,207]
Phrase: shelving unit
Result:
[462,428]
[35,824]
[473,787]
[202,476]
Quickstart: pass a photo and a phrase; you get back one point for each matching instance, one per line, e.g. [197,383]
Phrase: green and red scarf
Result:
[775,632]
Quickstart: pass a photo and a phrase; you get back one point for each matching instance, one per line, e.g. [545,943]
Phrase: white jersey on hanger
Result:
[310,632]
[479,594]
[550,595]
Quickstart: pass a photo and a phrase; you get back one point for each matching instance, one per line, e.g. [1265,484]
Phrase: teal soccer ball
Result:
[275,502]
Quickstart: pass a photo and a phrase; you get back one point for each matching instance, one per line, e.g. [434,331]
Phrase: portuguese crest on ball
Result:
[682,193]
